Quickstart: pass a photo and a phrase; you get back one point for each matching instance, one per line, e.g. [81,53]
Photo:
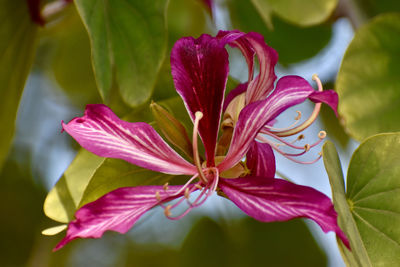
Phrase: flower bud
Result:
[172,129]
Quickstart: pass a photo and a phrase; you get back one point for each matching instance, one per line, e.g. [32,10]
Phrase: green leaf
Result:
[345,219]
[309,41]
[373,182]
[17,49]
[368,82]
[300,12]
[71,60]
[129,41]
[116,173]
[372,198]
[62,201]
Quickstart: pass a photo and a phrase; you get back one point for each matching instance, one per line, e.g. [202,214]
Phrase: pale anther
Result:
[167,211]
[307,147]
[158,197]
[298,117]
[165,186]
[322,134]
[198,186]
[187,194]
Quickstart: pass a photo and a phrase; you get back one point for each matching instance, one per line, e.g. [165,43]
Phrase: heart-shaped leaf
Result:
[368,82]
[369,213]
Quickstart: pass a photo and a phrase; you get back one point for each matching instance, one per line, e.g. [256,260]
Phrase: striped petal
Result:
[273,200]
[260,160]
[117,211]
[200,71]
[101,132]
[290,91]
[249,44]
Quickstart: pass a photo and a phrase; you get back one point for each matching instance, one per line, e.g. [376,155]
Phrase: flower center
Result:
[207,184]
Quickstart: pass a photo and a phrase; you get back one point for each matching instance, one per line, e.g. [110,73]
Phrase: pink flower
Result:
[200,70]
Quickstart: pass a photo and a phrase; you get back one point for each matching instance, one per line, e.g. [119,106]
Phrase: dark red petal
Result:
[200,71]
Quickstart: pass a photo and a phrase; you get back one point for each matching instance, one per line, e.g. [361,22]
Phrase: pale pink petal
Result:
[260,160]
[101,132]
[117,211]
[200,71]
[270,200]
[241,88]
[290,91]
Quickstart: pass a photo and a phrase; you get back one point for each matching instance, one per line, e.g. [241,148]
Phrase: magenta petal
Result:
[260,160]
[329,97]
[117,211]
[237,39]
[101,132]
[263,84]
[290,91]
[269,200]
[250,44]
[200,71]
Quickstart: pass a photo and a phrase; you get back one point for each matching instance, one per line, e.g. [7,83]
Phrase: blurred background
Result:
[61,82]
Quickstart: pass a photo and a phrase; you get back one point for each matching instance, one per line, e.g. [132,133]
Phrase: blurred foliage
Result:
[300,12]
[17,49]
[368,82]
[242,243]
[375,7]
[71,59]
[369,210]
[21,201]
[127,49]
[293,43]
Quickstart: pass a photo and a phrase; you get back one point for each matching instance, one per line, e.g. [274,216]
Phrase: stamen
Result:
[289,144]
[288,156]
[307,147]
[300,137]
[322,134]
[187,194]
[185,185]
[265,140]
[297,118]
[198,115]
[165,186]
[309,121]
[198,186]
[158,197]
[167,211]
